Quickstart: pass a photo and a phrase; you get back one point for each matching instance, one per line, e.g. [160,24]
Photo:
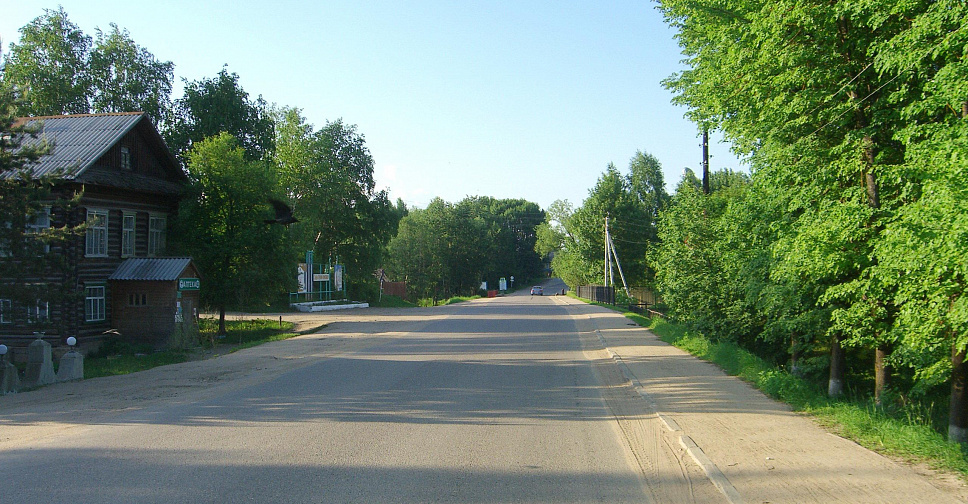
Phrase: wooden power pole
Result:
[705,161]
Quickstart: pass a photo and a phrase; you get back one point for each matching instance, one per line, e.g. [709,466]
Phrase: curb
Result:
[716,477]
[712,472]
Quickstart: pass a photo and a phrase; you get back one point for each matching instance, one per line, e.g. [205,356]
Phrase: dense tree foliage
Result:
[126,77]
[327,175]
[631,203]
[48,66]
[450,249]
[221,225]
[56,69]
[220,105]
[849,239]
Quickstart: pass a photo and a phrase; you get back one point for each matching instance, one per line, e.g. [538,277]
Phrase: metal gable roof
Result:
[151,269]
[79,140]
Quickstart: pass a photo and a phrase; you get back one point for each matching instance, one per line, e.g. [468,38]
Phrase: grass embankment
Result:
[902,431]
[389,301]
[449,301]
[116,357]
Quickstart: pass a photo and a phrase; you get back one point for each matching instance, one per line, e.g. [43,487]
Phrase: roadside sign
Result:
[187,284]
[320,277]
[302,277]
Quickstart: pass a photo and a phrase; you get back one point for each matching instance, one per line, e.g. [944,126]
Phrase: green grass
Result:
[460,299]
[245,333]
[392,302]
[130,363]
[440,302]
[117,357]
[905,433]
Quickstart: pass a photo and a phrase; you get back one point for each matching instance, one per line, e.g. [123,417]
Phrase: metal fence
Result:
[597,293]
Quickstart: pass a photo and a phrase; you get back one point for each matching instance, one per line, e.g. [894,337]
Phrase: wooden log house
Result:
[130,183]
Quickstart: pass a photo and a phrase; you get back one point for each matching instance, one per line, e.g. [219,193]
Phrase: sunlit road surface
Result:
[486,402]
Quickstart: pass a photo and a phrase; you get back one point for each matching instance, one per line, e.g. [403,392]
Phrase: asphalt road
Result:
[500,400]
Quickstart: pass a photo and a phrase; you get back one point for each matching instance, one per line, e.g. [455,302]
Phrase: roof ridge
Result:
[65,116]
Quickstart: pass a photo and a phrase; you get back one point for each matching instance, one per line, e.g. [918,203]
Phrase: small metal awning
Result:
[161,269]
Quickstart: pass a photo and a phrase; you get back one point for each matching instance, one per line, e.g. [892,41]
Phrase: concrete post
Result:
[71,367]
[40,365]
[9,378]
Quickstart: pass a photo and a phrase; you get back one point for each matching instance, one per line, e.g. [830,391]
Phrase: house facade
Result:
[129,184]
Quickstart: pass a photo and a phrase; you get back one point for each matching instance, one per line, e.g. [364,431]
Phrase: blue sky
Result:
[507,99]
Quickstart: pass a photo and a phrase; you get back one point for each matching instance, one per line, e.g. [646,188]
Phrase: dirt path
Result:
[766,452]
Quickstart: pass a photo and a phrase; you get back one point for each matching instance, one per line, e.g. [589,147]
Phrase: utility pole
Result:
[618,263]
[608,262]
[705,161]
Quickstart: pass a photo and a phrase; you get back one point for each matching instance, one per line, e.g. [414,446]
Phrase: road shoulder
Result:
[767,452]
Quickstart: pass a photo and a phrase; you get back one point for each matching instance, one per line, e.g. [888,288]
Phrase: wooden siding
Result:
[149,189]
[144,159]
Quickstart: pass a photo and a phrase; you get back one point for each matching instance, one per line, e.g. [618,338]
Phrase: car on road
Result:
[537,291]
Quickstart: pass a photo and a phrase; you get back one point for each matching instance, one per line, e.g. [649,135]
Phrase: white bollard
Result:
[71,364]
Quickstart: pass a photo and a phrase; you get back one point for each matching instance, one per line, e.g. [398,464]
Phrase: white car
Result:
[537,291]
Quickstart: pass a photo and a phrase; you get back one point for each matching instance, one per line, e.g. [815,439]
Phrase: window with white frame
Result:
[97,233]
[38,222]
[6,317]
[94,303]
[38,312]
[127,234]
[156,235]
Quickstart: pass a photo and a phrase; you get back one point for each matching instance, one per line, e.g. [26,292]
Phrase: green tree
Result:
[32,232]
[244,261]
[647,185]
[48,67]
[793,85]
[511,234]
[212,106]
[922,253]
[126,77]
[449,249]
[555,238]
[418,253]
[623,199]
[328,176]
[691,259]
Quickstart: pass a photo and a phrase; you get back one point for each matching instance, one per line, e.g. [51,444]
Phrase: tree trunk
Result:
[794,355]
[958,408]
[835,387]
[221,321]
[882,371]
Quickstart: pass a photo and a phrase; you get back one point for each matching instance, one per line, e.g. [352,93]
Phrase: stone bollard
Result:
[9,378]
[71,364]
[40,366]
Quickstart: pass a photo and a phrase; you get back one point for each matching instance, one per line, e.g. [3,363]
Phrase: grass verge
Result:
[896,433]
[389,301]
[117,357]
[440,302]
[121,364]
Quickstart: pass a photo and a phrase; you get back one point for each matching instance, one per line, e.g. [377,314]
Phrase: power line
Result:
[855,105]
